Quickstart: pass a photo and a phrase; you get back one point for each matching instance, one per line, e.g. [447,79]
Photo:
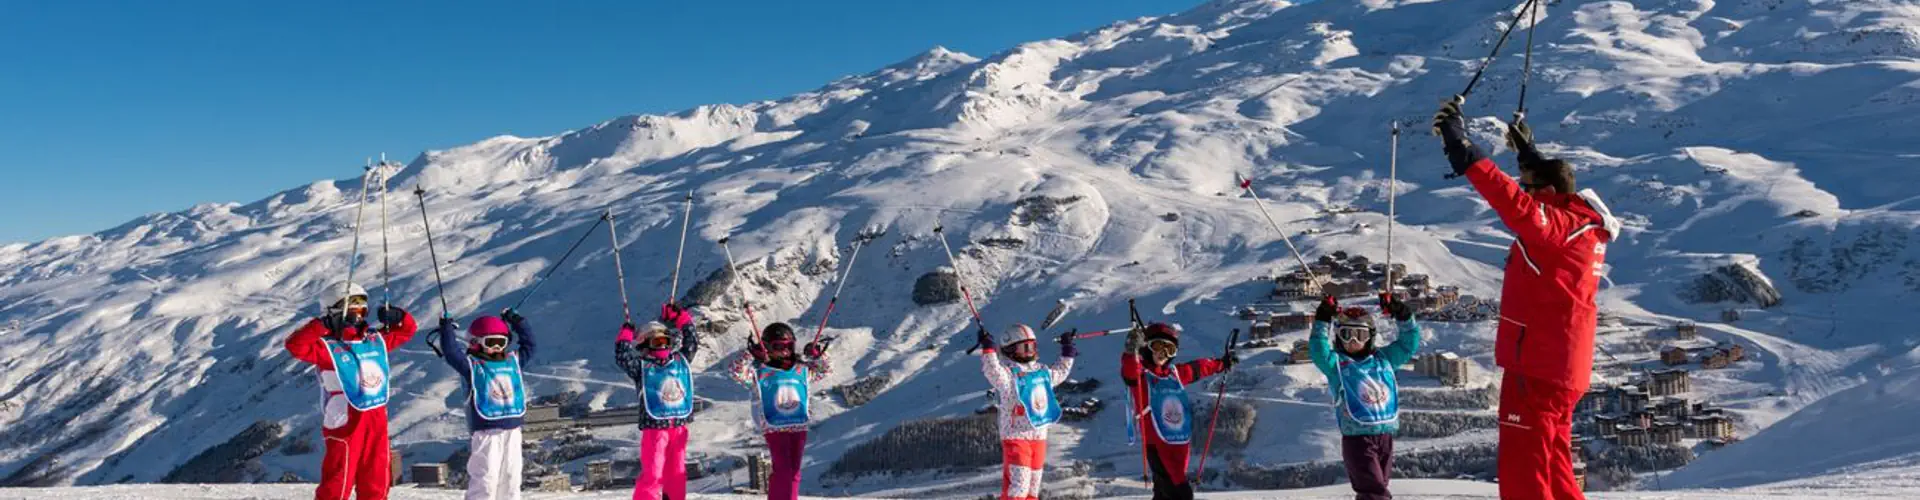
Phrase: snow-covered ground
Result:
[1415,488]
[1770,132]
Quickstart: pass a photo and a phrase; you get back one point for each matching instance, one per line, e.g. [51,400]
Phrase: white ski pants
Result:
[493,470]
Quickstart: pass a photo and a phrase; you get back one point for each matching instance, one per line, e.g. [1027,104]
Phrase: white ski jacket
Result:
[1014,426]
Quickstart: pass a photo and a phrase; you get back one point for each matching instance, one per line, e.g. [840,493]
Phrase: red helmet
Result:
[1163,331]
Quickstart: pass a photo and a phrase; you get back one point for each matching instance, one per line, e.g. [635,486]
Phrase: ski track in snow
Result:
[1753,131]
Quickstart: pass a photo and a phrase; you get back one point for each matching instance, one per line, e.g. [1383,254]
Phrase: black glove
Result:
[985,340]
[1451,125]
[1067,349]
[392,316]
[1520,140]
[1329,307]
[447,325]
[512,317]
[759,352]
[1396,308]
[1227,361]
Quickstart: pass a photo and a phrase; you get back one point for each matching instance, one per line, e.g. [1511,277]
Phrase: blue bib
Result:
[1368,394]
[1036,395]
[667,391]
[1170,410]
[497,390]
[361,369]
[783,396]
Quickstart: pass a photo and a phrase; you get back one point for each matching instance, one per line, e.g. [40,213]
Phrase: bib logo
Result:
[1373,394]
[1038,399]
[1171,413]
[371,377]
[787,400]
[672,393]
[500,389]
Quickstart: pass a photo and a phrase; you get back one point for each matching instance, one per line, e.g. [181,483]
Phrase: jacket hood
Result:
[1598,210]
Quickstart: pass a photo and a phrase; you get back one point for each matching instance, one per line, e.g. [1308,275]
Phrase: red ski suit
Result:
[1173,457]
[1547,319]
[357,459]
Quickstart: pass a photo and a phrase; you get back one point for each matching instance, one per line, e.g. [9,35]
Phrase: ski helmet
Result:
[1354,318]
[1016,334]
[777,334]
[330,300]
[485,328]
[1163,331]
[655,329]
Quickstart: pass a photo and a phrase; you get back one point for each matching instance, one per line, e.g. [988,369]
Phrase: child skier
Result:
[780,377]
[658,366]
[496,399]
[352,362]
[1365,395]
[1160,404]
[1027,405]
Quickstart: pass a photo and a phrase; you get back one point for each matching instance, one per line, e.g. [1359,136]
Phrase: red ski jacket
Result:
[1547,308]
[1130,375]
[305,344]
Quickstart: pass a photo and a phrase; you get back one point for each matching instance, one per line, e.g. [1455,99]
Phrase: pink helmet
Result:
[487,326]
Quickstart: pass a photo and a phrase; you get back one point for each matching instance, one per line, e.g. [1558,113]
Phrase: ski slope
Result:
[1771,132]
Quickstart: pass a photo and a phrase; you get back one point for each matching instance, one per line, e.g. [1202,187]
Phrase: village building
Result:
[1631,398]
[1674,356]
[1667,433]
[1300,354]
[1686,330]
[1670,382]
[1289,322]
[1675,408]
[1712,427]
[1632,435]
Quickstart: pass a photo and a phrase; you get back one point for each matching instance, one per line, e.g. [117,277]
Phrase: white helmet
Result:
[1016,334]
[330,296]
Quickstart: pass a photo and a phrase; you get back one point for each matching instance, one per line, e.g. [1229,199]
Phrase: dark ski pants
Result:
[1169,465]
[1369,465]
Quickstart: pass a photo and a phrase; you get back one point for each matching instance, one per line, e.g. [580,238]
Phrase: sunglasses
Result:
[1530,186]
[1355,334]
[355,302]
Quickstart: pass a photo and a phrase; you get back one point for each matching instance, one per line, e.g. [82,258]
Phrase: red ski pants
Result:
[1168,462]
[1021,465]
[1536,440]
[357,459]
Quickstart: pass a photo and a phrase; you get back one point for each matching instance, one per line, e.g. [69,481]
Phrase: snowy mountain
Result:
[1099,167]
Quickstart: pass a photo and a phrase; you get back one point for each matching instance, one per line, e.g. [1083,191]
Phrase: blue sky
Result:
[112,110]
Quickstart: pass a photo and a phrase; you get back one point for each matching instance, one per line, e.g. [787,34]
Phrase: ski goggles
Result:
[1164,348]
[1024,348]
[494,343]
[354,302]
[1354,334]
[783,346]
[660,342]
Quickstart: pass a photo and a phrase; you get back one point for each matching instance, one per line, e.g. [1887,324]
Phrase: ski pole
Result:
[556,264]
[619,273]
[753,336]
[1393,191]
[686,217]
[1140,383]
[1462,96]
[1247,184]
[836,290]
[426,222]
[1208,446]
[1526,67]
[353,259]
[1101,333]
[386,264]
[960,281]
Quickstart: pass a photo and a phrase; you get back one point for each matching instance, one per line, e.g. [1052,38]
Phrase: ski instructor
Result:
[1547,308]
